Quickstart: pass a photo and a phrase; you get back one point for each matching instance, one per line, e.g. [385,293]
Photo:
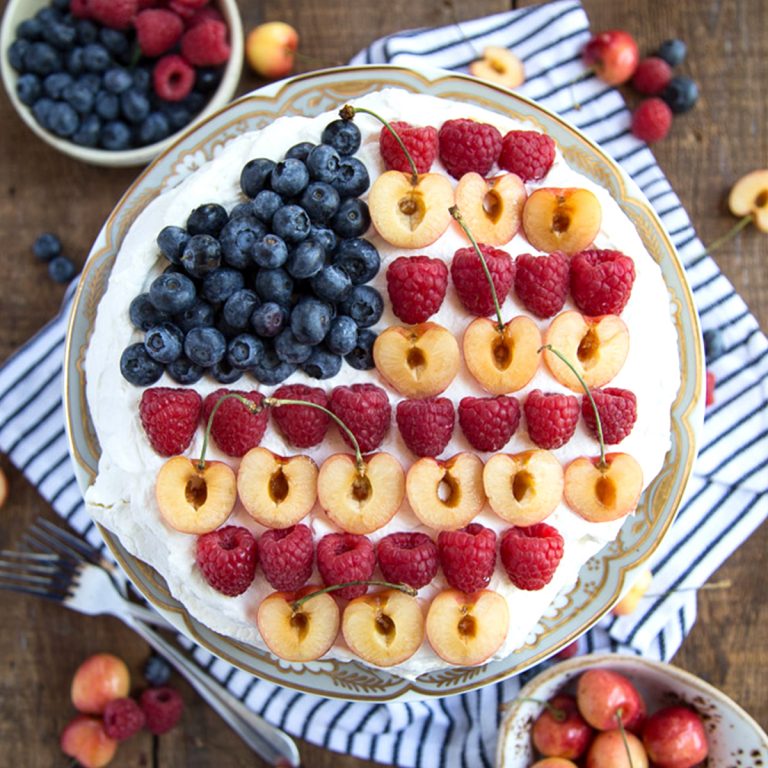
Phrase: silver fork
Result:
[87,588]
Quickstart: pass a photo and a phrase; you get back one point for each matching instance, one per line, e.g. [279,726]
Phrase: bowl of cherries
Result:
[614,711]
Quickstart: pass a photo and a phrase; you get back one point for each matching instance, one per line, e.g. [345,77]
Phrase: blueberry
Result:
[322,364]
[117,80]
[142,78]
[144,314]
[55,83]
[115,136]
[154,128]
[270,251]
[271,370]
[199,315]
[16,53]
[87,31]
[172,293]
[91,81]
[157,671]
[184,371]
[714,344]
[96,58]
[274,285]
[80,97]
[87,135]
[116,42]
[300,151]
[208,219]
[28,89]
[289,177]
[30,29]
[224,372]
[244,351]
[171,242]
[291,223]
[138,367]
[342,335]
[289,349]
[59,35]
[221,283]
[331,283]
[239,307]
[46,247]
[310,320]
[320,201]
[672,51]
[359,259]
[364,305]
[202,254]
[134,105]
[361,357]
[48,16]
[42,59]
[41,109]
[177,114]
[268,319]
[61,269]
[207,79]
[306,260]
[326,237]
[63,120]
[205,346]
[73,61]
[352,179]
[194,102]
[343,135]
[61,5]
[242,210]
[352,219]
[265,205]
[323,163]
[255,175]
[681,94]
[163,342]
[238,237]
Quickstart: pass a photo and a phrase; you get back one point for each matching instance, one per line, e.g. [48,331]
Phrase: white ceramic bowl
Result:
[735,739]
[17,11]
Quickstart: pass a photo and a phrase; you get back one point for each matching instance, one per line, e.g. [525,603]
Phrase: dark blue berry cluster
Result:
[47,248]
[276,284]
[81,83]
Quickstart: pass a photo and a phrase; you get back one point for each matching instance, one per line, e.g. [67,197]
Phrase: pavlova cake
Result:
[427,367]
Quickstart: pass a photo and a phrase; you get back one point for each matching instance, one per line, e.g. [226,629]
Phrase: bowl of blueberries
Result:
[115,82]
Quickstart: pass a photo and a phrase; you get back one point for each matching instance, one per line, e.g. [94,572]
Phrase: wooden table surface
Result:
[708,149]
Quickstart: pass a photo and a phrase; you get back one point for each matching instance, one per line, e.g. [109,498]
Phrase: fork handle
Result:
[275,746]
[147,615]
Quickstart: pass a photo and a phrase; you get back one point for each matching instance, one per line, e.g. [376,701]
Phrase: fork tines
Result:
[43,574]
[44,536]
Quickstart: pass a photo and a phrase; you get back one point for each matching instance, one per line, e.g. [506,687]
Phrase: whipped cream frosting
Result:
[122,497]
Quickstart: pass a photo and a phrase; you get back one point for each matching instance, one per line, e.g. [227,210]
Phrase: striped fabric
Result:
[727,496]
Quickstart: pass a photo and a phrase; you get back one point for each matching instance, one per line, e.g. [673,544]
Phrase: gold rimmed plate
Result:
[602,579]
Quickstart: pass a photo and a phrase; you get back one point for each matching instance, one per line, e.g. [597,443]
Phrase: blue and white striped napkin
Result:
[727,499]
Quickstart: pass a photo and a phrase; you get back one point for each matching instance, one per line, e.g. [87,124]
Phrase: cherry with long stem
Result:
[624,737]
[296,604]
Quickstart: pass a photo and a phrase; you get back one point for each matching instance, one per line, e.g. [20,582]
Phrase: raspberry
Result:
[157,31]
[651,76]
[541,282]
[651,120]
[286,556]
[365,410]
[530,555]
[711,383]
[617,409]
[471,283]
[123,718]
[187,12]
[426,425]
[421,143]
[416,286]
[301,425]
[173,78]
[468,557]
[170,417]
[601,281]
[551,418]
[408,558]
[79,9]
[235,429]
[489,422]
[116,14]
[163,708]
[205,45]
[466,145]
[529,154]
[346,557]
[228,557]
[204,14]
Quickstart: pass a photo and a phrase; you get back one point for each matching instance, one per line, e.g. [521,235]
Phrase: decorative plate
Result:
[602,579]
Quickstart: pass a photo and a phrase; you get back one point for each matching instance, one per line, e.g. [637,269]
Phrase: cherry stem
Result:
[357,583]
[279,402]
[603,464]
[456,213]
[743,222]
[559,714]
[624,737]
[249,404]
[347,112]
